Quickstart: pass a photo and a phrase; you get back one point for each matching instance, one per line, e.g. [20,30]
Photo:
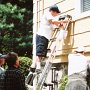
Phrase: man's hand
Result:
[66,21]
[50,21]
[57,23]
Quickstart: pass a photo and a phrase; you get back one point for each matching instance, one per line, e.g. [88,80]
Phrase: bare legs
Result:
[37,63]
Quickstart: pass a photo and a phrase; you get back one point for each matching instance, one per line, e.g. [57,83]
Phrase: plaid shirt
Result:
[14,80]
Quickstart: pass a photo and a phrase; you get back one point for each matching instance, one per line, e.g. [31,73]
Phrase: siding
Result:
[79,32]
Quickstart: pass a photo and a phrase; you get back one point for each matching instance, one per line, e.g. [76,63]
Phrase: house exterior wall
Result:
[78,32]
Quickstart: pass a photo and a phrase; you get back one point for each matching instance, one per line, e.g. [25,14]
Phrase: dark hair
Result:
[11,59]
[54,8]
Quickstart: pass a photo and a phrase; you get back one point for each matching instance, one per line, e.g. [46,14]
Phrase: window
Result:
[82,8]
[85,5]
[40,11]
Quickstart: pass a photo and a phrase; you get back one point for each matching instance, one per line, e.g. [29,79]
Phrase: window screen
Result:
[85,5]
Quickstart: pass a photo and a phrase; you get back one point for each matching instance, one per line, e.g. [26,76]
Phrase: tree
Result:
[28,4]
[16,27]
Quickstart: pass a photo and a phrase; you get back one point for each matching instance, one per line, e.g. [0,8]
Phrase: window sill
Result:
[82,15]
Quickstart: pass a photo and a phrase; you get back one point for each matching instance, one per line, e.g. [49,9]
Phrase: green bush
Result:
[25,63]
[63,83]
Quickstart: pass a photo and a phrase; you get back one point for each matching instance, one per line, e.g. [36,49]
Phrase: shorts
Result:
[41,46]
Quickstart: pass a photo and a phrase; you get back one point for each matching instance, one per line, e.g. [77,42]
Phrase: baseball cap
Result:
[80,49]
[54,8]
[2,56]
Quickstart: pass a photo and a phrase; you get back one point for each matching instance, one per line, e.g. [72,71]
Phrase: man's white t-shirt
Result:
[46,28]
[77,63]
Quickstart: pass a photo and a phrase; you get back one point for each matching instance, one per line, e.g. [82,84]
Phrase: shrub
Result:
[63,83]
[25,63]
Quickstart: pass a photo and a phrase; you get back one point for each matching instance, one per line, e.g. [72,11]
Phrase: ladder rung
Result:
[48,50]
[57,28]
[48,84]
[53,67]
[55,82]
[52,39]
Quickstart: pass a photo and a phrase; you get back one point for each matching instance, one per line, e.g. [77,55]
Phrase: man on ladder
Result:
[42,38]
[57,37]
[44,35]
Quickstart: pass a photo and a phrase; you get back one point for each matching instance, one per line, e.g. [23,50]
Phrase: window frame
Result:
[78,10]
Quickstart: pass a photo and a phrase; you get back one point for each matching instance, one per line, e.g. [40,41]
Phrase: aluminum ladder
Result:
[51,57]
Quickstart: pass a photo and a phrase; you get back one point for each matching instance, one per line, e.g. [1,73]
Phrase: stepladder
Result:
[59,35]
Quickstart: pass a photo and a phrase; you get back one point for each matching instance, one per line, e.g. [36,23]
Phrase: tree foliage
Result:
[15,28]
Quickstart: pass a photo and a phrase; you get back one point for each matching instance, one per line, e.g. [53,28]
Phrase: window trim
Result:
[78,11]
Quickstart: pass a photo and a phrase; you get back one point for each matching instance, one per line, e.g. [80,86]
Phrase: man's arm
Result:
[59,22]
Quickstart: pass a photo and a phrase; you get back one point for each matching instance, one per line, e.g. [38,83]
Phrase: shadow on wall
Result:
[69,41]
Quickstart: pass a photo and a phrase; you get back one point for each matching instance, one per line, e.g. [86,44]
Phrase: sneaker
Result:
[38,71]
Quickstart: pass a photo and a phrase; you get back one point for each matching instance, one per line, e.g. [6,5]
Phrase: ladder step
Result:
[55,82]
[53,67]
[48,84]
[52,39]
[48,50]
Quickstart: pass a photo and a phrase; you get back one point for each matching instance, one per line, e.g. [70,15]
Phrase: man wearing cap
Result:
[44,34]
[77,65]
[2,61]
